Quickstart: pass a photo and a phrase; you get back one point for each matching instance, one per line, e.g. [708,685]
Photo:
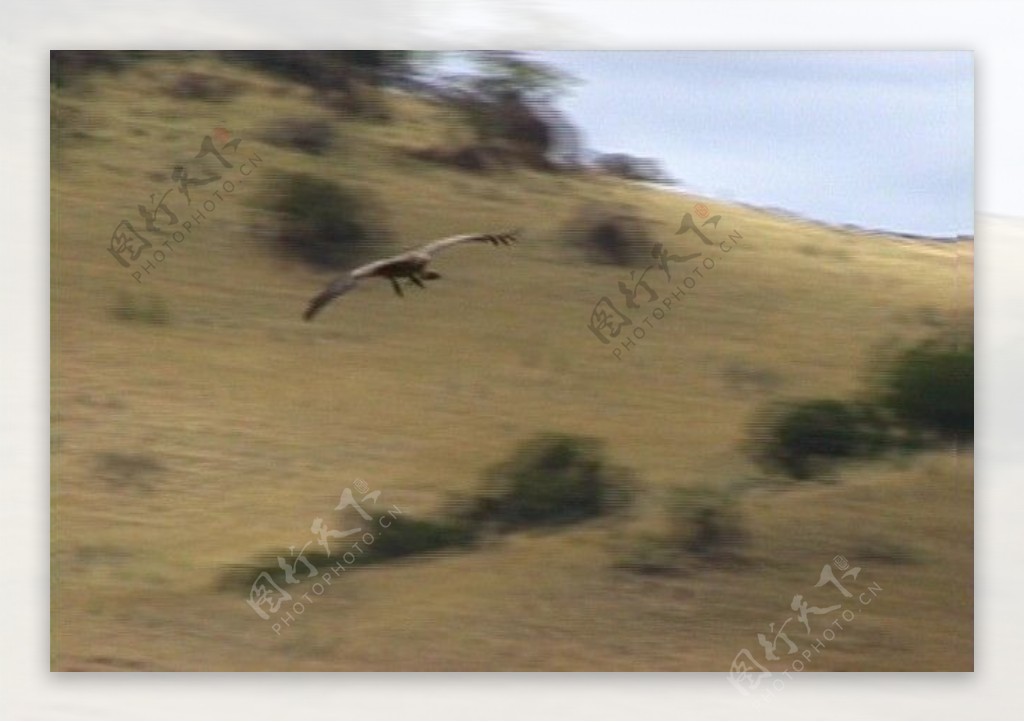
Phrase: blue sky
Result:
[879,139]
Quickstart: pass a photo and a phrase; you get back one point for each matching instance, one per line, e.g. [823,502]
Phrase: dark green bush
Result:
[326,69]
[549,480]
[552,479]
[407,536]
[615,235]
[887,551]
[705,521]
[803,439]
[202,86]
[930,388]
[926,394]
[325,224]
[314,137]
[475,158]
[704,525]
[127,471]
[151,310]
[631,167]
[647,554]
[67,66]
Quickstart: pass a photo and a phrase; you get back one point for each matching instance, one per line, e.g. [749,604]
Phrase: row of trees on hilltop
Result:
[512,98]
[508,100]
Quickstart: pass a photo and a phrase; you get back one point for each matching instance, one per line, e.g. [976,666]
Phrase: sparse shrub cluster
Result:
[313,137]
[150,310]
[925,397]
[702,526]
[327,69]
[616,235]
[504,101]
[631,167]
[508,106]
[203,86]
[404,537]
[475,158]
[804,439]
[705,521]
[128,471]
[887,551]
[325,224]
[408,536]
[552,479]
[66,122]
[508,122]
[68,66]
[930,389]
[348,81]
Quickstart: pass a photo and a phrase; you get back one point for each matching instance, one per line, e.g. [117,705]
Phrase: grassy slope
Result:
[260,420]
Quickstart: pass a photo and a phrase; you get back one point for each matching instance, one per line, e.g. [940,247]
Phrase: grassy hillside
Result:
[198,422]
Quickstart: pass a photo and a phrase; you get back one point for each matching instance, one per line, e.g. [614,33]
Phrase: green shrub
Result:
[611,235]
[202,86]
[887,551]
[150,310]
[327,69]
[475,158]
[647,554]
[930,388]
[926,393]
[705,521]
[314,137]
[129,471]
[407,536]
[552,479]
[804,439]
[702,526]
[325,224]
[404,537]
[68,66]
[631,167]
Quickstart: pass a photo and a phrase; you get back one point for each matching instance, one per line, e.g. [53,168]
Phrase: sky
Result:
[879,139]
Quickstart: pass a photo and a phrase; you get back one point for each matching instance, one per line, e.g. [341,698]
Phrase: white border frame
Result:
[990,28]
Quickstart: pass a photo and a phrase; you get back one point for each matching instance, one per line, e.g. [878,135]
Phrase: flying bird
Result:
[411,265]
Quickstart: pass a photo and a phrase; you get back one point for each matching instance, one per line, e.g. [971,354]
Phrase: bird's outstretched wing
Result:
[337,288]
[495,238]
[346,283]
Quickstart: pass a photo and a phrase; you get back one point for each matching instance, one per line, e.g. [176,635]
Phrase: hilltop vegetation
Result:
[562,506]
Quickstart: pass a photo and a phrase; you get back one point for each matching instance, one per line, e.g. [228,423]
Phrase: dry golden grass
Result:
[180,448]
